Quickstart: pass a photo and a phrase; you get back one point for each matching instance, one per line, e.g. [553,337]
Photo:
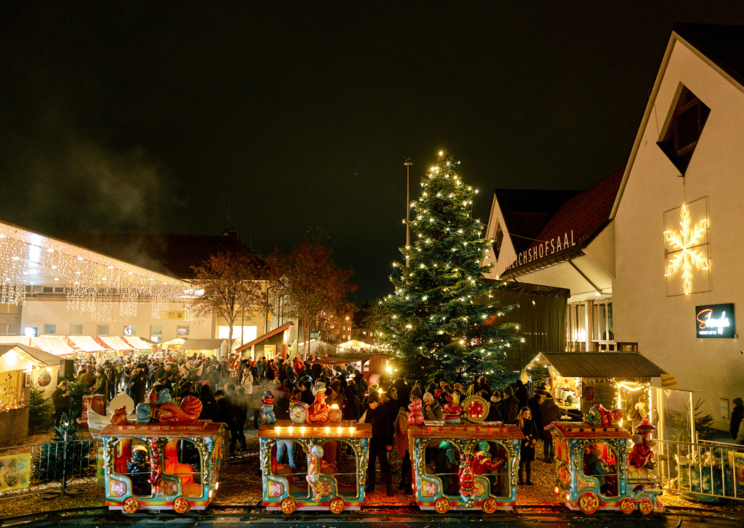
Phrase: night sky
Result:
[276,117]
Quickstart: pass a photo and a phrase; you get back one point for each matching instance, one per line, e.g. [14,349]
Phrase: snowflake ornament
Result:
[684,243]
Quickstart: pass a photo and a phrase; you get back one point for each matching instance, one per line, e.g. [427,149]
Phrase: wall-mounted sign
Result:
[545,249]
[715,320]
[669,381]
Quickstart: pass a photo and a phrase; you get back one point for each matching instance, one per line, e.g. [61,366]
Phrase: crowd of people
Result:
[231,389]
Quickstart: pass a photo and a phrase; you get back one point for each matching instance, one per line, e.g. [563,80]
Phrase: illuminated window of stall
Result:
[183,460]
[132,460]
[600,463]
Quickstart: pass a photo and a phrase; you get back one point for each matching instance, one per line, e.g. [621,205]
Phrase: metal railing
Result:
[50,467]
[704,469]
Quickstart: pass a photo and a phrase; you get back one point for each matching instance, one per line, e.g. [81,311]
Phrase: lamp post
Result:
[407,162]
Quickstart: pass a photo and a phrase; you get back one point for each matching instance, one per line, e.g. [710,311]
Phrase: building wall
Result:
[507,254]
[39,312]
[664,327]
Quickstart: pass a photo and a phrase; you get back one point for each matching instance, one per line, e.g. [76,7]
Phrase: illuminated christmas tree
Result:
[442,319]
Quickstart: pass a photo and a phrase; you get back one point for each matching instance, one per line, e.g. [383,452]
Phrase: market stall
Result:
[53,345]
[21,367]
[372,366]
[617,380]
[85,344]
[205,347]
[137,343]
[115,343]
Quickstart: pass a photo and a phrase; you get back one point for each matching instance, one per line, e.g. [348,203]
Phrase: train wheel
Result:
[442,505]
[131,505]
[589,502]
[646,506]
[288,505]
[337,505]
[181,505]
[490,505]
[627,506]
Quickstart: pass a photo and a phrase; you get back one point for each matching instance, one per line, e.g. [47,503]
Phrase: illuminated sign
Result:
[686,252]
[715,320]
[544,249]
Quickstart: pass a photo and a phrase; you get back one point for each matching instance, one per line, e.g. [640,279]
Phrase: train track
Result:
[243,513]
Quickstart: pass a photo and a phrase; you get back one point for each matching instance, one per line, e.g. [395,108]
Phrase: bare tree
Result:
[314,287]
[232,283]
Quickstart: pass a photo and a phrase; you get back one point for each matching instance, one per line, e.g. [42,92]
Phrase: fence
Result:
[50,467]
[701,469]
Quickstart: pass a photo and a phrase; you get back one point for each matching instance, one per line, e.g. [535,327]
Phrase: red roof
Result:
[584,215]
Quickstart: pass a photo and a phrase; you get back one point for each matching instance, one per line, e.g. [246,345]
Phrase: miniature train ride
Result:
[170,460]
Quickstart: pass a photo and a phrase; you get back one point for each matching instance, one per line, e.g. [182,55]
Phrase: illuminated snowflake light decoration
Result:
[684,243]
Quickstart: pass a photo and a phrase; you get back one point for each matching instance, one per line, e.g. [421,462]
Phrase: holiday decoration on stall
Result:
[318,411]
[416,416]
[598,415]
[442,320]
[160,409]
[642,454]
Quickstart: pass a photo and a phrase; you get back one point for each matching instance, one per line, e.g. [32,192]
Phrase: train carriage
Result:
[470,466]
[596,471]
[330,464]
[162,466]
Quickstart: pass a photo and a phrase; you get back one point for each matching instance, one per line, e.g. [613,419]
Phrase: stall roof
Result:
[137,343]
[16,339]
[600,364]
[115,343]
[53,345]
[268,335]
[355,344]
[202,344]
[339,359]
[37,354]
[86,344]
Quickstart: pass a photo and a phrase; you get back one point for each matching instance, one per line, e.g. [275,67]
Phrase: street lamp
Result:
[407,162]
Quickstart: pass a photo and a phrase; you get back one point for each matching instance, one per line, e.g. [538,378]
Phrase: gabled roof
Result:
[37,354]
[601,364]
[172,255]
[527,211]
[264,337]
[585,215]
[722,44]
[202,344]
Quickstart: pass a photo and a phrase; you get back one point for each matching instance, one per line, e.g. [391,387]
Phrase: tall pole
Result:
[407,162]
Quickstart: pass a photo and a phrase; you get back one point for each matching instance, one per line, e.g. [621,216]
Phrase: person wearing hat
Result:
[87,378]
[380,444]
[736,417]
[509,406]
[432,409]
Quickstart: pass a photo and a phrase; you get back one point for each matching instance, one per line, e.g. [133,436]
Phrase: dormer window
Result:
[684,130]
[497,240]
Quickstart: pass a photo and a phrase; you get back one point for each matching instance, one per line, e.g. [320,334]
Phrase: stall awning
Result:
[85,344]
[53,345]
[598,364]
[38,357]
[355,344]
[137,343]
[202,344]
[268,335]
[115,343]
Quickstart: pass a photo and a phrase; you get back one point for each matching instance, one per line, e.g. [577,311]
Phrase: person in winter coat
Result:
[209,406]
[391,405]
[494,414]
[247,381]
[352,403]
[432,409]
[509,406]
[736,417]
[529,430]
[521,393]
[401,441]
[380,444]
[137,386]
[549,413]
[61,400]
[534,404]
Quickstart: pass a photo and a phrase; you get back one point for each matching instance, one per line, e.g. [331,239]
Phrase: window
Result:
[497,240]
[48,289]
[50,329]
[76,329]
[30,331]
[130,330]
[685,127]
[37,289]
[103,330]
[60,289]
[156,330]
[156,339]
[600,462]
[182,330]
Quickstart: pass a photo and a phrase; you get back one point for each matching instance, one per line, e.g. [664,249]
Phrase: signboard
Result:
[715,320]
[16,472]
[669,381]
[176,314]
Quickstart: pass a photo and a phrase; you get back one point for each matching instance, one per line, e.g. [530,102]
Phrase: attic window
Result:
[497,240]
[684,130]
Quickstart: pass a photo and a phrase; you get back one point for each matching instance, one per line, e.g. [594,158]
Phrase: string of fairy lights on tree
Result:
[105,288]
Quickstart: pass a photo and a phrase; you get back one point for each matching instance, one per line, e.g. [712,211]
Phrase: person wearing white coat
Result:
[247,381]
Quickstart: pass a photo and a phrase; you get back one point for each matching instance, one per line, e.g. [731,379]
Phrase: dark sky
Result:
[277,117]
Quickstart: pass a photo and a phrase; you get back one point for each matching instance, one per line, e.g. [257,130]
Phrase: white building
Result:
[659,270]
